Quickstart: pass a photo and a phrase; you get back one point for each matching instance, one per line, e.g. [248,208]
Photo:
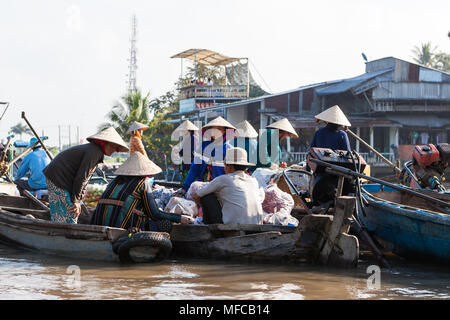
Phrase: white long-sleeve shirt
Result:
[240,196]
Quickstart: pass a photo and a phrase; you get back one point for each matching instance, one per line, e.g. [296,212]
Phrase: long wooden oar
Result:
[341,170]
[397,169]
[30,196]
[83,206]
[37,136]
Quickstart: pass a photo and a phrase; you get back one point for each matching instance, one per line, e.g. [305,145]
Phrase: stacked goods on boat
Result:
[93,194]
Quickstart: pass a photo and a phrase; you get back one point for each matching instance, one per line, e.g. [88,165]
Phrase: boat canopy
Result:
[207,57]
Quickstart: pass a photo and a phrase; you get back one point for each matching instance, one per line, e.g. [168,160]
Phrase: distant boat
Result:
[411,227]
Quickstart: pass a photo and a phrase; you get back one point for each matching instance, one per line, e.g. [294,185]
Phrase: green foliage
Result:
[256,91]
[157,138]
[20,129]
[53,150]
[428,56]
[424,54]
[442,61]
[205,72]
[132,107]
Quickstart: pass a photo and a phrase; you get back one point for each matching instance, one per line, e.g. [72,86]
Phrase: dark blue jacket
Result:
[198,170]
[325,138]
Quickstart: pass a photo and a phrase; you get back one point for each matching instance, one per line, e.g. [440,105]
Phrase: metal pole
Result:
[248,79]
[342,170]
[4,111]
[375,151]
[59,137]
[37,136]
[70,140]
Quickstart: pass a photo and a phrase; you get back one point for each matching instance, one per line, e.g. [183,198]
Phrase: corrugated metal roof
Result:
[347,84]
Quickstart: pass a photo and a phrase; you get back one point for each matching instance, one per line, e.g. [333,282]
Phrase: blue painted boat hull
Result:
[412,232]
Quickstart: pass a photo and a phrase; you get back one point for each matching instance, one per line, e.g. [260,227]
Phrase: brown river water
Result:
[33,276]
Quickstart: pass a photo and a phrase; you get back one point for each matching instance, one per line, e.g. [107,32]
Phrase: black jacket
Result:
[71,169]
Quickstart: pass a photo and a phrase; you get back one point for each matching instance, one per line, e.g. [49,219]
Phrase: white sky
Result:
[64,62]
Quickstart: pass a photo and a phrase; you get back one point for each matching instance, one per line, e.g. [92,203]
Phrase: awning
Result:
[207,57]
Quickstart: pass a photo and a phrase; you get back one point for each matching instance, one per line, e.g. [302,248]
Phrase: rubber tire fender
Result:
[158,240]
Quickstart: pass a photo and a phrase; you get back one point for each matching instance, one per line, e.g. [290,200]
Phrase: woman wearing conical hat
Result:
[247,139]
[136,131]
[331,136]
[209,164]
[186,132]
[127,201]
[68,174]
[265,145]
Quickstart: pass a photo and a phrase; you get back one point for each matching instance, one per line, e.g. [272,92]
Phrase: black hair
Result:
[239,167]
[333,127]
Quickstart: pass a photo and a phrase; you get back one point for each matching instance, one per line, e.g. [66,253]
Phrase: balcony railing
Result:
[214,92]
[371,158]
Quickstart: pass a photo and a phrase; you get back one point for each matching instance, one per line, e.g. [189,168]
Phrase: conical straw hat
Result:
[136,126]
[246,130]
[334,115]
[137,165]
[110,135]
[284,125]
[186,126]
[219,122]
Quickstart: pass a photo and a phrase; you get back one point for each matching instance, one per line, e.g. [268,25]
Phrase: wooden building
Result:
[394,105]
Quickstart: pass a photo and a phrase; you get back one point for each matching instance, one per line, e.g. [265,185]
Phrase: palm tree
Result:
[20,129]
[133,107]
[424,55]
[442,61]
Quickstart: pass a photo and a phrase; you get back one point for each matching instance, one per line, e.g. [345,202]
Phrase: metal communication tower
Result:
[132,60]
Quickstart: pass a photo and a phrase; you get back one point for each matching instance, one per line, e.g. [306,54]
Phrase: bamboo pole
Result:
[37,136]
[397,169]
[341,170]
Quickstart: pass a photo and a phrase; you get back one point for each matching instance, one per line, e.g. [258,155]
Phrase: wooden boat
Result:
[24,223]
[318,238]
[409,226]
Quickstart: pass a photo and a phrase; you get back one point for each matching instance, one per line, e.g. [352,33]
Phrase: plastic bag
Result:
[182,206]
[93,193]
[162,195]
[196,185]
[279,219]
[277,206]
[263,175]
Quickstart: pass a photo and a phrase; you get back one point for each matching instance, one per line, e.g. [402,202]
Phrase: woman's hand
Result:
[283,165]
[186,219]
[75,209]
[179,193]
[196,199]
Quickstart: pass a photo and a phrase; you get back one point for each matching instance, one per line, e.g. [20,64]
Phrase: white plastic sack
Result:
[162,195]
[196,185]
[182,206]
[263,175]
[277,206]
